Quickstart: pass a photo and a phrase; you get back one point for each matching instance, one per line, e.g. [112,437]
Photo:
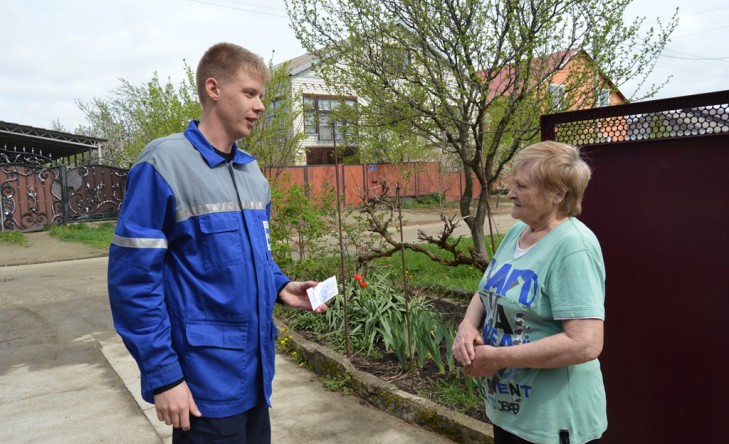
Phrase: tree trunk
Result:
[479,220]
[475,222]
[467,198]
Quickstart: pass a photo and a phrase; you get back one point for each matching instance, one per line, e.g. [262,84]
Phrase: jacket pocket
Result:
[215,358]
[221,239]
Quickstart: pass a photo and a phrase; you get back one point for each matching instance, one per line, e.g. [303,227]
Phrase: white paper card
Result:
[323,292]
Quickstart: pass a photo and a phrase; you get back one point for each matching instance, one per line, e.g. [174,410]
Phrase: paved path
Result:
[55,383]
[65,376]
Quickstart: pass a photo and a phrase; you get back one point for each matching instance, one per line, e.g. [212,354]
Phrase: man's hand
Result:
[175,405]
[294,295]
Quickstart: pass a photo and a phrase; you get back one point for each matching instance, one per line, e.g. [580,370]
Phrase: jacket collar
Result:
[206,150]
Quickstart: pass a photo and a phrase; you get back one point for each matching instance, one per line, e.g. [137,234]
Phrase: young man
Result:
[191,279]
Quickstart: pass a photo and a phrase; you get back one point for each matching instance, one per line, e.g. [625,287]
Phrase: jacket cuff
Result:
[164,388]
[278,292]
[161,377]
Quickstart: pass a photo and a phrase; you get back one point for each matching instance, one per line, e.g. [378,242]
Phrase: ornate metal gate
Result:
[35,192]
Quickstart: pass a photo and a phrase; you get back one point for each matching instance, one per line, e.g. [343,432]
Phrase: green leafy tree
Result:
[137,114]
[396,144]
[474,75]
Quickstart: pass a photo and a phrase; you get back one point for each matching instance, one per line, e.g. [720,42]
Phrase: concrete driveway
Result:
[66,377]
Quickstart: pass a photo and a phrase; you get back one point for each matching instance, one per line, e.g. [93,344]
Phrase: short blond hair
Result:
[223,62]
[560,170]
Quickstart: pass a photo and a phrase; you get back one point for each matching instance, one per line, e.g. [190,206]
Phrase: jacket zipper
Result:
[237,194]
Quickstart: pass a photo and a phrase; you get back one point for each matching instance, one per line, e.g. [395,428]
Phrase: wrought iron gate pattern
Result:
[35,197]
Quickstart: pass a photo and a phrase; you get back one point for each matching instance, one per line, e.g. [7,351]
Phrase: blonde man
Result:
[191,279]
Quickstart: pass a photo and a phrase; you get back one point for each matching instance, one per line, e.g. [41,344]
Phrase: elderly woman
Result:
[540,307]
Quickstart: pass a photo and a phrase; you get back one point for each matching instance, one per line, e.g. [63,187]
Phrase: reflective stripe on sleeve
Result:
[139,242]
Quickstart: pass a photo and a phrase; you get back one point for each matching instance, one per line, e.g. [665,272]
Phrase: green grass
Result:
[336,383]
[424,272]
[14,238]
[435,201]
[427,201]
[453,393]
[305,320]
[98,235]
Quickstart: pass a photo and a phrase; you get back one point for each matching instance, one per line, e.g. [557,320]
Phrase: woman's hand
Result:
[485,363]
[580,342]
[463,345]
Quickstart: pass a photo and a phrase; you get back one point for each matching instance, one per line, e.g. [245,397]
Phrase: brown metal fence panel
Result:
[36,197]
[94,192]
[452,186]
[426,176]
[367,180]
[286,177]
[28,197]
[321,179]
[659,204]
[353,181]
[390,175]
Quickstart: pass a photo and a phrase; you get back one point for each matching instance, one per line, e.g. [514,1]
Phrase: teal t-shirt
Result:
[525,299]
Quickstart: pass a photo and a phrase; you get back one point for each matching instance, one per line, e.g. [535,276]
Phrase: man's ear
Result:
[212,89]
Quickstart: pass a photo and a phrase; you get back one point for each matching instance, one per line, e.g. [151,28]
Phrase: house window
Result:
[310,115]
[603,97]
[319,156]
[556,96]
[319,113]
[325,155]
[325,128]
[398,57]
[279,116]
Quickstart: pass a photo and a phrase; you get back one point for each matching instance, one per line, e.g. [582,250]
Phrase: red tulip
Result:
[358,277]
[362,284]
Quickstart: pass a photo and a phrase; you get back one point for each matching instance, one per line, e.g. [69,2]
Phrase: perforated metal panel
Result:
[689,116]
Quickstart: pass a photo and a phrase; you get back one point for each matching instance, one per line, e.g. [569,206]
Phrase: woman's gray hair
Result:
[560,170]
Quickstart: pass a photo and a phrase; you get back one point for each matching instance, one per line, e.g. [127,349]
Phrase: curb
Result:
[387,397]
[125,367]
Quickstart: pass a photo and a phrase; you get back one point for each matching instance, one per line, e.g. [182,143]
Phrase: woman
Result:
[540,307]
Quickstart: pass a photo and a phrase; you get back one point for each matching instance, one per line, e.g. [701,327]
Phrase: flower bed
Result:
[379,345]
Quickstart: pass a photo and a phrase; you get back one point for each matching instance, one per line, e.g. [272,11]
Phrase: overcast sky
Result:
[56,53]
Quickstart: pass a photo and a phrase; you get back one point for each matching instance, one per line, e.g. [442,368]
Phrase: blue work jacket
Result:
[192,283]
